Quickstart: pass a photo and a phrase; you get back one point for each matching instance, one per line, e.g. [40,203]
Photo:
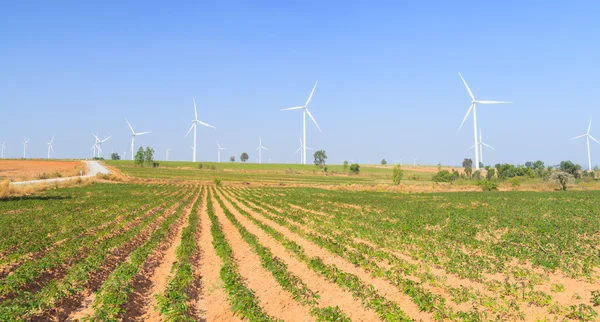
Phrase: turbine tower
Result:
[473,108]
[259,149]
[133,135]
[3,147]
[219,148]
[195,122]
[167,154]
[481,145]
[588,137]
[50,148]
[99,144]
[305,110]
[25,141]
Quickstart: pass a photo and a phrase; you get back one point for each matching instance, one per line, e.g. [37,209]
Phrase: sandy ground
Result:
[22,170]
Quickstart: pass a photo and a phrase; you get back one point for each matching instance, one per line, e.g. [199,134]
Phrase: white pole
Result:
[194,157]
[132,145]
[475,135]
[589,156]
[304,133]
[218,155]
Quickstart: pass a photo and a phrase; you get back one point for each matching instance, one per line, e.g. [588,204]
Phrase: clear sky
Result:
[388,77]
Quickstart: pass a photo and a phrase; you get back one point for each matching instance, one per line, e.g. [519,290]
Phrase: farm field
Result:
[183,251]
[23,170]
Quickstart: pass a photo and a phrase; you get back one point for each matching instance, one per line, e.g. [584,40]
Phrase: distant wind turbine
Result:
[300,150]
[25,141]
[219,148]
[259,149]
[50,148]
[306,111]
[414,161]
[588,137]
[195,122]
[99,144]
[481,145]
[133,135]
[473,108]
[167,154]
[3,147]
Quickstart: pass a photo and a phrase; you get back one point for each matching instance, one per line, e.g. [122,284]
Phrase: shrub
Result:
[200,165]
[562,178]
[477,175]
[515,182]
[397,174]
[445,176]
[490,174]
[345,165]
[595,298]
[212,167]
[383,162]
[487,185]
[4,188]
[155,164]
[217,182]
[355,168]
[43,176]
[570,168]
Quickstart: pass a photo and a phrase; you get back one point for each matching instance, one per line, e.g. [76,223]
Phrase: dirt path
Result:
[153,277]
[212,305]
[273,298]
[331,294]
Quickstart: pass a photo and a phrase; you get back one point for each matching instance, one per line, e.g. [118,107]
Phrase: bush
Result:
[477,175]
[397,174]
[562,178]
[515,182]
[217,182]
[487,185]
[490,174]
[155,164]
[212,167]
[383,162]
[445,176]
[345,166]
[570,168]
[200,165]
[43,176]
[4,188]
[355,168]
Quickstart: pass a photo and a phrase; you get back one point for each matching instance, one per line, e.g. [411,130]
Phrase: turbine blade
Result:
[130,127]
[264,148]
[493,102]
[142,133]
[205,124]
[300,148]
[471,147]
[467,86]
[195,110]
[52,141]
[311,94]
[313,119]
[292,108]
[579,136]
[466,115]
[489,146]
[193,124]
[591,137]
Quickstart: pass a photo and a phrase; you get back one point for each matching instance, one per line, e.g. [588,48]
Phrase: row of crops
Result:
[92,253]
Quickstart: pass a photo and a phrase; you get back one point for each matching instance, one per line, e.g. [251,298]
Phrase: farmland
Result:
[180,250]
[22,170]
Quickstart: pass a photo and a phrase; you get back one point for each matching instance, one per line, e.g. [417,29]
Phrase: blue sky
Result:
[388,77]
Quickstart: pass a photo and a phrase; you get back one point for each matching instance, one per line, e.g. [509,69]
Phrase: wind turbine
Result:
[481,144]
[300,150]
[588,137]
[473,107]
[195,122]
[414,161]
[99,144]
[219,148]
[167,154]
[133,135]
[3,147]
[259,149]
[25,141]
[50,147]
[305,111]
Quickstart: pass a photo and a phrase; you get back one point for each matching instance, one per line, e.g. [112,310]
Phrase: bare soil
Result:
[23,170]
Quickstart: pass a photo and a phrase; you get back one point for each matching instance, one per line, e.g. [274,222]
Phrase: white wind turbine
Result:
[3,147]
[25,141]
[306,111]
[300,150]
[195,122]
[473,107]
[588,137]
[133,135]
[167,154]
[481,145]
[99,144]
[219,148]
[50,148]
[259,149]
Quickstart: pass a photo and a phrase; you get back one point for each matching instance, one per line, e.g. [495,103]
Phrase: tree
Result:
[570,168]
[355,168]
[529,164]
[320,157]
[345,165]
[232,159]
[562,178]
[468,165]
[397,174]
[115,156]
[244,157]
[149,156]
[383,162]
[139,157]
[490,174]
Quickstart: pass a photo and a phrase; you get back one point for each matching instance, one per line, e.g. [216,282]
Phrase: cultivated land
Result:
[23,170]
[182,248]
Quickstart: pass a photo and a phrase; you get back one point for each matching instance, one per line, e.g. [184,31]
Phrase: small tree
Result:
[562,178]
[149,156]
[529,164]
[490,174]
[115,156]
[355,168]
[320,157]
[383,162]
[244,157]
[570,168]
[397,174]
[232,159]
[468,165]
[345,165]
[140,157]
